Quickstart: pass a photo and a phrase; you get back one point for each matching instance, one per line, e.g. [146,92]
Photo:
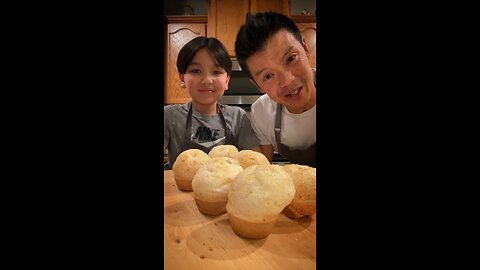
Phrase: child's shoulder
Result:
[170,108]
[231,109]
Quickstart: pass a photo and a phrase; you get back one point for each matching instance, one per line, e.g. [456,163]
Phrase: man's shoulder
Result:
[263,100]
[264,103]
[263,110]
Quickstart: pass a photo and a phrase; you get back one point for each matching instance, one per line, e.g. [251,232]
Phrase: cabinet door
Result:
[224,20]
[309,31]
[279,6]
[177,36]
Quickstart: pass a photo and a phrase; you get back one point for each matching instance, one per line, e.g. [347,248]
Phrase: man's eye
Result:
[291,58]
[268,77]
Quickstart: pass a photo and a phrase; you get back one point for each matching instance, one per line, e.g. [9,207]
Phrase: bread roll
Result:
[226,150]
[186,166]
[212,182]
[247,158]
[257,197]
[305,201]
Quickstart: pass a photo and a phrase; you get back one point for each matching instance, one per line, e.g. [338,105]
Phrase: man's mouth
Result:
[294,93]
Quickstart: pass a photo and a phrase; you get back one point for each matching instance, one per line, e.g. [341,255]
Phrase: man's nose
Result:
[286,78]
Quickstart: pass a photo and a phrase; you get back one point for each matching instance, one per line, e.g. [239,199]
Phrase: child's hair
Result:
[258,28]
[214,47]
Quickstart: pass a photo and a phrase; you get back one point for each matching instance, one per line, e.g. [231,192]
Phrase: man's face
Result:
[282,71]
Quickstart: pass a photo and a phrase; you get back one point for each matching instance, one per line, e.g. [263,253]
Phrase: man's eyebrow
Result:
[288,51]
[284,55]
[260,71]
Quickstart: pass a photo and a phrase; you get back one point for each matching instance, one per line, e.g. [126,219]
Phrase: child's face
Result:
[204,80]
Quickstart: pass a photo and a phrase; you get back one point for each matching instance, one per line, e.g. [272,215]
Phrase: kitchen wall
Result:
[176,7]
[296,6]
[200,7]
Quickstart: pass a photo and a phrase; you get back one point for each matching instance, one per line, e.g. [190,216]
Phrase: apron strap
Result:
[278,124]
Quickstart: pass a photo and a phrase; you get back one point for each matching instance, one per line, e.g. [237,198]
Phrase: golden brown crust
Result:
[248,158]
[260,192]
[251,230]
[184,185]
[186,166]
[293,213]
[213,180]
[304,202]
[211,208]
[225,150]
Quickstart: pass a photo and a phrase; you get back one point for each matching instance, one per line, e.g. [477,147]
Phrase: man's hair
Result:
[214,47]
[258,28]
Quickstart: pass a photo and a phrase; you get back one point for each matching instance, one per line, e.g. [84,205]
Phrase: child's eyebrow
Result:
[198,64]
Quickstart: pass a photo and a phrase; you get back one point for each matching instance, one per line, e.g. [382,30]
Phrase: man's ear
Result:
[305,46]
[258,87]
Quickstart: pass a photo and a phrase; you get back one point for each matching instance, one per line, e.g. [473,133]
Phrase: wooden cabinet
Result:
[226,16]
[179,30]
[280,6]
[223,22]
[308,29]
[309,32]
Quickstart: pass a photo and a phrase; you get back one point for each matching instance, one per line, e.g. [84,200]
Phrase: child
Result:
[205,67]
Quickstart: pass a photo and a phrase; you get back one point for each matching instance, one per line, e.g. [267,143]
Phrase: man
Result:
[272,52]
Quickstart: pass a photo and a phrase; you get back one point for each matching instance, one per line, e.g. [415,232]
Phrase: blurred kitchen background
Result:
[187,19]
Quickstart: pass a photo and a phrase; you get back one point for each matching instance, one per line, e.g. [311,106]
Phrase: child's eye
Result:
[218,72]
[195,70]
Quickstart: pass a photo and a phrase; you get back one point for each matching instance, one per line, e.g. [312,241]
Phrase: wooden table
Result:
[196,241]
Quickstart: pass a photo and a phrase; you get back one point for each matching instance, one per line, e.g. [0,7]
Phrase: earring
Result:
[182,84]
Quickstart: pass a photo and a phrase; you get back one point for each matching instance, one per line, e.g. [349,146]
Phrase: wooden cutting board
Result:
[196,241]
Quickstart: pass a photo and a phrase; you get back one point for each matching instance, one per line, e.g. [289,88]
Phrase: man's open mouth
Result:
[294,93]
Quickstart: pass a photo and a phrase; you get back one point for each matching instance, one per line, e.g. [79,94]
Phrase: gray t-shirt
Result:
[207,130]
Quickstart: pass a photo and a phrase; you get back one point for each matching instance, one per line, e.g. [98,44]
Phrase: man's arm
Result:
[266,150]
